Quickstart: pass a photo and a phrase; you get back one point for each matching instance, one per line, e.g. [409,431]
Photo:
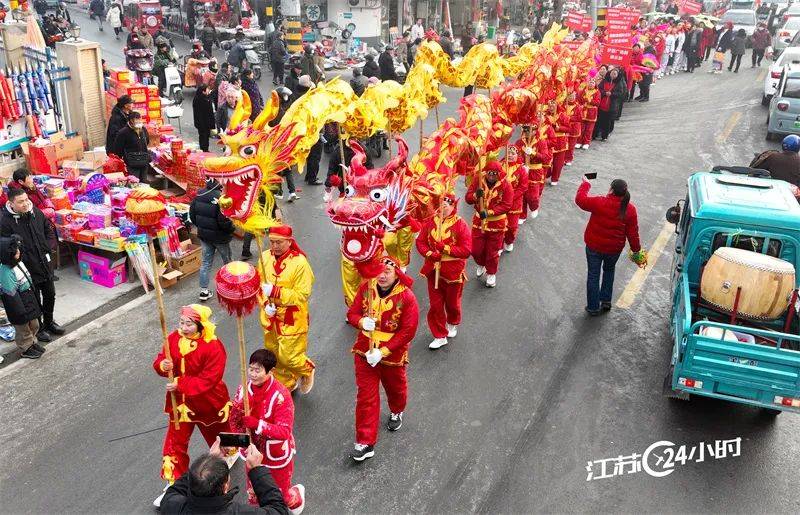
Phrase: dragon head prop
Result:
[254,155]
[374,201]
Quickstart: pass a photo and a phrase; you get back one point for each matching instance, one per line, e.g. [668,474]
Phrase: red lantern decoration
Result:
[238,286]
[146,207]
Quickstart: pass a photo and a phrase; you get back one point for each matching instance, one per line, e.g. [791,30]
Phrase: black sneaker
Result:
[38,348]
[362,452]
[605,306]
[592,312]
[395,421]
[205,295]
[31,353]
[44,336]
[54,328]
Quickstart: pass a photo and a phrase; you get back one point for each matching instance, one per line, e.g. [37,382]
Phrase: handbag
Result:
[137,159]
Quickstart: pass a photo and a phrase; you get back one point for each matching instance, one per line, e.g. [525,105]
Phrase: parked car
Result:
[741,18]
[789,56]
[785,35]
[784,108]
[792,11]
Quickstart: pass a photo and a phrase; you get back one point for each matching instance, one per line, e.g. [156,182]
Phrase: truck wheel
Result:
[667,391]
[764,100]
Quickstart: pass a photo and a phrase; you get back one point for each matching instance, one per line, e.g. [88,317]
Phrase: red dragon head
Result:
[374,201]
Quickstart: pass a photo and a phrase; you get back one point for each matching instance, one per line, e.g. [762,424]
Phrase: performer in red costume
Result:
[445,244]
[492,197]
[591,100]
[575,112]
[201,397]
[270,423]
[558,119]
[385,310]
[517,174]
[539,159]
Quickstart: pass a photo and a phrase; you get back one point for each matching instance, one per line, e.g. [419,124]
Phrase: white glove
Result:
[270,309]
[367,324]
[528,150]
[266,289]
[374,356]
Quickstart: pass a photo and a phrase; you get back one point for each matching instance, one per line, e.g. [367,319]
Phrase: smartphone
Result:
[590,175]
[234,440]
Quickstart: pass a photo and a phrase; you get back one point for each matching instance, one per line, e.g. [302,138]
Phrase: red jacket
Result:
[518,175]
[198,366]
[606,232]
[397,317]
[272,404]
[605,100]
[457,242]
[497,201]
[561,125]
[591,99]
[575,112]
[37,198]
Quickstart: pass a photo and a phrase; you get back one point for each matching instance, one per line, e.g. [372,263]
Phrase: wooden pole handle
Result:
[243,363]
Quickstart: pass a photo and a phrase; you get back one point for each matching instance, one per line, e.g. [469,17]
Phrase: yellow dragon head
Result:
[254,155]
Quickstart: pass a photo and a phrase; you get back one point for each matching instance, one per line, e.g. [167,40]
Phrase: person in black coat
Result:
[118,120]
[19,298]
[277,56]
[446,43]
[203,110]
[371,68]
[214,229]
[206,487]
[725,37]
[22,218]
[386,65]
[131,146]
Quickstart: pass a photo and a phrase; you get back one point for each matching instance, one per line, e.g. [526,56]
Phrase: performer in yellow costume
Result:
[286,288]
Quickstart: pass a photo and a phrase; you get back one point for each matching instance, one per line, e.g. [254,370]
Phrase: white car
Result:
[789,56]
[784,35]
[741,18]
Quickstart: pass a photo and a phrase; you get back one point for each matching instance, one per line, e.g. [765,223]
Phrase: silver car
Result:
[785,34]
[784,108]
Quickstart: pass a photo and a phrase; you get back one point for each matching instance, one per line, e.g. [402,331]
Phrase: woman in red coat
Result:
[613,220]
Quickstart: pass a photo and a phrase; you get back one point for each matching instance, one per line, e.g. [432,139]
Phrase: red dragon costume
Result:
[517,174]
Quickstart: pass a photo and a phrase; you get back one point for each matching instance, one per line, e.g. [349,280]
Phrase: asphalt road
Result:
[502,420]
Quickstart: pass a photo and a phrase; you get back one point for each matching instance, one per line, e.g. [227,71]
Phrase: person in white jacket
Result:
[114,18]
[669,53]
[679,60]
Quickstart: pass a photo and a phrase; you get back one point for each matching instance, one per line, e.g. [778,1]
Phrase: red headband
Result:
[404,279]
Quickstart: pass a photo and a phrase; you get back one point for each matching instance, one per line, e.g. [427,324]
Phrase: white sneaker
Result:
[520,221]
[585,146]
[500,252]
[292,197]
[437,343]
[481,270]
[157,501]
[553,183]
[534,213]
[568,164]
[301,490]
[491,281]
[279,197]
[577,145]
[452,330]
[327,196]
[508,247]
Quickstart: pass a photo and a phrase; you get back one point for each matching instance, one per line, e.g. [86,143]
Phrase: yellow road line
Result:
[634,286]
[729,125]
[761,75]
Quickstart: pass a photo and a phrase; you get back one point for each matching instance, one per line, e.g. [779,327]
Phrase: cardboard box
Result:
[103,267]
[170,278]
[41,160]
[190,262]
[67,148]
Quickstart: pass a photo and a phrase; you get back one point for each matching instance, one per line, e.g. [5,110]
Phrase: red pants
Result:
[368,397]
[283,480]
[445,306]
[586,135]
[486,247]
[511,229]
[571,148]
[176,445]
[532,197]
[558,164]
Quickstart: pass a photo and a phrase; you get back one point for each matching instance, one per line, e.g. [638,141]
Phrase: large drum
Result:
[766,283]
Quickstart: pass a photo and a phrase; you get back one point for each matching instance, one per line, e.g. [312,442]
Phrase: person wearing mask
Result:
[386,329]
[161,61]
[131,146]
[203,110]
[22,179]
[225,112]
[402,50]
[761,40]
[271,424]
[359,83]
[613,220]
[277,56]
[22,218]
[371,68]
[19,298]
[308,64]
[250,86]
[206,487]
[417,30]
[446,42]
[783,165]
[118,120]
[737,50]
[208,34]
[386,65]
[214,230]
[114,18]
[492,197]
[41,7]
[97,8]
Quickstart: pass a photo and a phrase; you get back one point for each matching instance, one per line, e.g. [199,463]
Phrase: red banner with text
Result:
[575,20]
[690,7]
[616,55]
